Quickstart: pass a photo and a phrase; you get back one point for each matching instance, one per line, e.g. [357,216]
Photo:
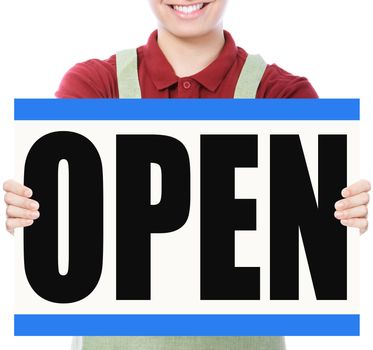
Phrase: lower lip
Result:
[191,15]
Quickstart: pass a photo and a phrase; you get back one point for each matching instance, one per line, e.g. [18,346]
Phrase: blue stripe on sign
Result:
[187,109]
[187,325]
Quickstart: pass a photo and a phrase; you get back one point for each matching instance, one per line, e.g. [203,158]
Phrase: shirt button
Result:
[187,85]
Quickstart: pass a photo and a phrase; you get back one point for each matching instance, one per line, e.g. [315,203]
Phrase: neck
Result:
[189,56]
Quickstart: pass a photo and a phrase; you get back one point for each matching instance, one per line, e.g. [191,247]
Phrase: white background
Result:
[329,42]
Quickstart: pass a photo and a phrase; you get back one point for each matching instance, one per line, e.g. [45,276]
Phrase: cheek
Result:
[162,12]
[156,7]
[216,16]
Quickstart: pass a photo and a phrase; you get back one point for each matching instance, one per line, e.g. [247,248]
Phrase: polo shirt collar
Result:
[163,75]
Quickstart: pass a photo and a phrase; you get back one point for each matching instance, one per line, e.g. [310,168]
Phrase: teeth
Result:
[188,9]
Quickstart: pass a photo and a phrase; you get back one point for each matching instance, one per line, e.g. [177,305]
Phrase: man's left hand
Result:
[352,211]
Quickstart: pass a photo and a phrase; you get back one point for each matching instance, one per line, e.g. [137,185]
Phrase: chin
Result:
[190,33]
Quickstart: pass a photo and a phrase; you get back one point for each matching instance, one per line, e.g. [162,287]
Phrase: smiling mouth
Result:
[190,9]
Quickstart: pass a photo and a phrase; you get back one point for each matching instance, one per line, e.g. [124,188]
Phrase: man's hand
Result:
[353,209]
[21,211]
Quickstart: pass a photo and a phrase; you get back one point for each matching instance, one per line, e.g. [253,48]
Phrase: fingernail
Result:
[338,214]
[344,222]
[28,192]
[339,205]
[35,214]
[34,205]
[345,192]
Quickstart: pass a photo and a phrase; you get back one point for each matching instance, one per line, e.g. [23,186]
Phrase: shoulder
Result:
[278,83]
[94,78]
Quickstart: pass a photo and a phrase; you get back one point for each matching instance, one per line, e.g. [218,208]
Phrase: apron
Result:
[129,87]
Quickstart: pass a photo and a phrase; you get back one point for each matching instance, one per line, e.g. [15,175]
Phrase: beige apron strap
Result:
[127,75]
[250,77]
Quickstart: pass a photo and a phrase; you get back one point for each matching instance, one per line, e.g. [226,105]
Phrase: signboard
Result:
[187,217]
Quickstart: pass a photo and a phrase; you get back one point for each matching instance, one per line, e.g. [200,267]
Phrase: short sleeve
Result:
[278,83]
[90,79]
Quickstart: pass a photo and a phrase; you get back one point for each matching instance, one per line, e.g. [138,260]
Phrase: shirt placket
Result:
[187,88]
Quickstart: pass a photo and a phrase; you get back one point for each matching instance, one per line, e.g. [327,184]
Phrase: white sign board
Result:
[187,217]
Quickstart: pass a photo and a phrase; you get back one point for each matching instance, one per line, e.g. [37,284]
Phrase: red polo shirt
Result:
[98,78]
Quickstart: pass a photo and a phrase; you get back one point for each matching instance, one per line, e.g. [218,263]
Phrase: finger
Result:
[17,188]
[11,224]
[356,212]
[362,224]
[354,201]
[356,188]
[19,201]
[20,213]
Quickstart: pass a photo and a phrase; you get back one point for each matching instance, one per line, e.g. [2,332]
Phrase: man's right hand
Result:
[21,210]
